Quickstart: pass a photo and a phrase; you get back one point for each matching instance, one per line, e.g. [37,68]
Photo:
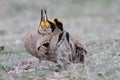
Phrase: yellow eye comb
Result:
[53,20]
[47,24]
[42,24]
[58,19]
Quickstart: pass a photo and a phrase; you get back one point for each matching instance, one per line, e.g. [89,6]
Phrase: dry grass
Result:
[96,23]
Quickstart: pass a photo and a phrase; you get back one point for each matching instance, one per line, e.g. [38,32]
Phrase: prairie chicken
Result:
[54,39]
[51,42]
[70,49]
[36,42]
[46,26]
[65,48]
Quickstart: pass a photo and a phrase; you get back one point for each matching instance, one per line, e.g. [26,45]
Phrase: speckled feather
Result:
[33,43]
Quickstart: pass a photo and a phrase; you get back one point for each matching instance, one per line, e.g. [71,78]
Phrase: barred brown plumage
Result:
[52,43]
[35,41]
[67,48]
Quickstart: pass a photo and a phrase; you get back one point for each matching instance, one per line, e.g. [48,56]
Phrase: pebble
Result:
[1,47]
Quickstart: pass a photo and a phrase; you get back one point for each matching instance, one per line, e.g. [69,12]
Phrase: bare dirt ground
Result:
[95,22]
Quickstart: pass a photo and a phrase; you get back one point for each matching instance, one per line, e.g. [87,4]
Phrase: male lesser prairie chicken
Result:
[65,48]
[36,42]
[51,43]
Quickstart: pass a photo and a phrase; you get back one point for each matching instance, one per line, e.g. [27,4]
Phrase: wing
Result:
[36,44]
[70,48]
[79,51]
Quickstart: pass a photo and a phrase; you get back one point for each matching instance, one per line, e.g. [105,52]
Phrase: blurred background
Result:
[96,23]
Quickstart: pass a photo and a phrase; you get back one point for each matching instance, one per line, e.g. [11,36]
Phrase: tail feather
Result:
[80,54]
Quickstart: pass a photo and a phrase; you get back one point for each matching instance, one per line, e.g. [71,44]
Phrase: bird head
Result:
[58,23]
[45,24]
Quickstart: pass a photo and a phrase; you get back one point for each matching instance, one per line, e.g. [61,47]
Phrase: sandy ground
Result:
[95,22]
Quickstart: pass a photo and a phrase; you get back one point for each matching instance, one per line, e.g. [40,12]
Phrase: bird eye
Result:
[42,24]
[47,24]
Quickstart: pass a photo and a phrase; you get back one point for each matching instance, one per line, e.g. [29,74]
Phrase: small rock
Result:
[1,47]
[100,74]
[18,42]
[56,68]
[24,62]
[26,67]
[118,54]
